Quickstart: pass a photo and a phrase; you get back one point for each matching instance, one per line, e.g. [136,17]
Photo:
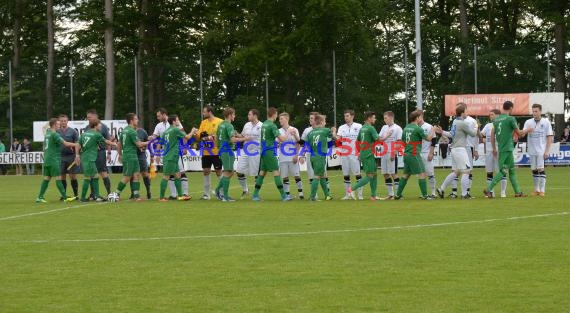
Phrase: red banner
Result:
[481,104]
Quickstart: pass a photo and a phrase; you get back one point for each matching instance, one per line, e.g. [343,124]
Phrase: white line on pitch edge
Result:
[302,233]
[45,212]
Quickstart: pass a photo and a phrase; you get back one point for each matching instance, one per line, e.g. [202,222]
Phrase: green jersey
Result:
[225,133]
[89,142]
[369,135]
[52,145]
[172,135]
[413,136]
[269,132]
[504,126]
[129,141]
[319,139]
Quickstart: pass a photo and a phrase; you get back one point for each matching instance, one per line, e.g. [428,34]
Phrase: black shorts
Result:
[209,160]
[66,162]
[143,164]
[101,161]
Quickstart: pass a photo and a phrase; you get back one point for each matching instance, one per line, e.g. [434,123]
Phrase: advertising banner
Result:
[115,127]
[481,104]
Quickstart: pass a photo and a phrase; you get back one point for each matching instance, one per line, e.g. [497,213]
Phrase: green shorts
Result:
[269,162]
[52,168]
[413,165]
[130,167]
[89,168]
[227,161]
[369,165]
[506,160]
[170,167]
[319,164]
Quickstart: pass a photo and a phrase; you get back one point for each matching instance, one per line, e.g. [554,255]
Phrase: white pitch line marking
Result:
[279,234]
[45,212]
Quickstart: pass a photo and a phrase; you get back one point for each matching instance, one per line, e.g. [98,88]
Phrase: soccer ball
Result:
[113,197]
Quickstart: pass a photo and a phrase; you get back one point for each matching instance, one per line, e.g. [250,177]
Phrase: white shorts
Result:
[428,165]
[491,163]
[470,155]
[350,165]
[181,165]
[460,159]
[388,166]
[289,168]
[536,162]
[248,164]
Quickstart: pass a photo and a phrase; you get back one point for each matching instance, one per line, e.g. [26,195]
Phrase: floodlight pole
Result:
[334,86]
[548,67]
[266,88]
[11,106]
[201,85]
[406,78]
[475,65]
[71,87]
[419,96]
[136,88]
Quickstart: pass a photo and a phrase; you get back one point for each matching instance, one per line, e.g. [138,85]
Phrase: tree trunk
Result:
[109,62]
[464,40]
[559,63]
[50,61]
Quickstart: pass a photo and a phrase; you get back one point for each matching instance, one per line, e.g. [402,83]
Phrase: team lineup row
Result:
[65,151]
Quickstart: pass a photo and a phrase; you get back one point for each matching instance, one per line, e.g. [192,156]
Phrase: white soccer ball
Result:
[113,197]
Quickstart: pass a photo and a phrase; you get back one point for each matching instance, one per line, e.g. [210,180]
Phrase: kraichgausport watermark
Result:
[160,147]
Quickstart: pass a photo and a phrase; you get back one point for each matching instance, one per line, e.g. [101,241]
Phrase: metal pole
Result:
[475,65]
[419,95]
[201,85]
[406,79]
[266,88]
[71,87]
[334,86]
[548,67]
[136,88]
[10,94]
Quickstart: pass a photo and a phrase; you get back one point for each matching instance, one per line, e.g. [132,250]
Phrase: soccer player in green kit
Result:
[170,167]
[269,162]
[318,140]
[413,165]
[367,136]
[52,160]
[128,145]
[227,137]
[89,142]
[503,127]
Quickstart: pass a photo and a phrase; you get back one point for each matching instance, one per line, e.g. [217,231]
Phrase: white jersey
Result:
[253,131]
[305,135]
[349,132]
[160,128]
[287,149]
[472,141]
[486,132]
[536,142]
[395,136]
[426,144]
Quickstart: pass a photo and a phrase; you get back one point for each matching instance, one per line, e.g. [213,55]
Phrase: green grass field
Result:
[480,255]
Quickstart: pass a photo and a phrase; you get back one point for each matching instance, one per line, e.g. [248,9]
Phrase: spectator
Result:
[27,147]
[565,138]
[17,148]
[2,150]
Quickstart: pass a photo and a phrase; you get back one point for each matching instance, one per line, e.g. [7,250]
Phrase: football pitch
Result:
[412,255]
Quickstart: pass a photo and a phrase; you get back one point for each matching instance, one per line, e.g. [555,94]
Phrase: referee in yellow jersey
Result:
[209,147]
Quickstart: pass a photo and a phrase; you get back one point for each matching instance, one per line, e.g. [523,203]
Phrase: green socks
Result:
[363,181]
[178,185]
[226,186]
[43,188]
[163,185]
[325,186]
[279,184]
[314,188]
[95,187]
[374,186]
[258,184]
[61,189]
[85,188]
[423,187]
[401,186]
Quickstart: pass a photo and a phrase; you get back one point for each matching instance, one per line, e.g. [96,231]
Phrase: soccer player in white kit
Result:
[159,129]
[538,147]
[491,161]
[460,164]
[288,156]
[389,163]
[306,132]
[428,147]
[248,162]
[349,163]
[472,148]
